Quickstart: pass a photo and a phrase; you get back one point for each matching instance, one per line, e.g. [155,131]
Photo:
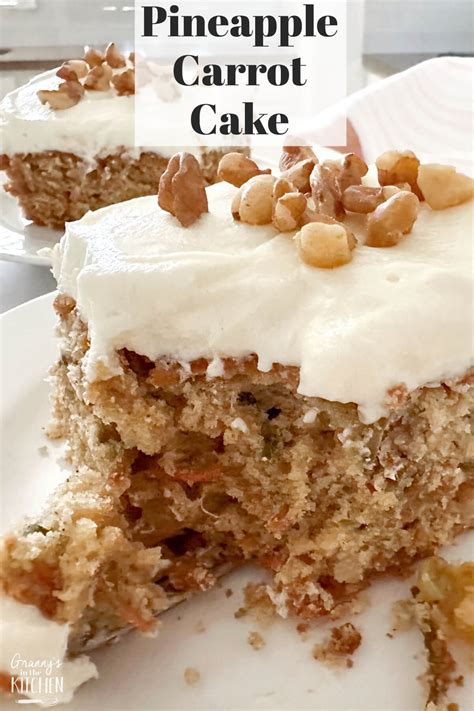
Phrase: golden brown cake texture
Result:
[54,187]
[242,467]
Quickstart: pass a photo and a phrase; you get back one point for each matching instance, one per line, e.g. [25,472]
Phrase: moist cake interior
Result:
[54,187]
[213,473]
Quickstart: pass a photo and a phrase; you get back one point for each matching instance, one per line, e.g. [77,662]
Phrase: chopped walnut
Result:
[330,179]
[124,82]
[353,170]
[93,57]
[392,220]
[395,167]
[299,175]
[182,189]
[68,94]
[237,169]
[113,57]
[361,199]
[295,154]
[281,187]
[325,245]
[67,73]
[389,190]
[442,186]
[311,215]
[253,203]
[99,78]
[288,211]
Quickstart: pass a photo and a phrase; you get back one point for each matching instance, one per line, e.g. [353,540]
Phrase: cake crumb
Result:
[337,649]
[200,627]
[191,676]
[229,592]
[440,599]
[257,604]
[256,640]
[302,629]
[43,451]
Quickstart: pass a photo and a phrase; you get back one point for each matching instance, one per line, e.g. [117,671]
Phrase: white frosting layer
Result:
[33,649]
[222,288]
[101,122]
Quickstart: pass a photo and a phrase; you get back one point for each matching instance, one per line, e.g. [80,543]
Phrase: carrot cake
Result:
[67,140]
[277,368]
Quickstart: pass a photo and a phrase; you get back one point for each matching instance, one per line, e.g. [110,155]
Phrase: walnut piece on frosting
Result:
[124,82]
[99,78]
[325,245]
[95,72]
[68,94]
[392,220]
[93,57]
[113,57]
[292,155]
[361,199]
[236,169]
[289,206]
[288,211]
[253,203]
[315,198]
[395,167]
[300,173]
[442,186]
[330,179]
[182,189]
[73,70]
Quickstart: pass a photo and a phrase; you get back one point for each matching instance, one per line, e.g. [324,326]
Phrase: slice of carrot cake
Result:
[67,140]
[276,368]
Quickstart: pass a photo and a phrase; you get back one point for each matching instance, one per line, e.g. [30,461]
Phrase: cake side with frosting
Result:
[224,288]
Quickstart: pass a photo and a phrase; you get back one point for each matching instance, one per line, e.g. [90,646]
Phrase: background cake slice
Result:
[67,141]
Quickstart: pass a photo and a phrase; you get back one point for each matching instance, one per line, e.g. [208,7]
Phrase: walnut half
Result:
[67,95]
[182,189]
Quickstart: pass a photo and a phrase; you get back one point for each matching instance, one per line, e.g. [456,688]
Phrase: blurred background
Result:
[386,36]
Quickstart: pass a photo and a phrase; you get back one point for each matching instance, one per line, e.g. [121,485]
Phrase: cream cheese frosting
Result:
[33,651]
[101,122]
[401,315]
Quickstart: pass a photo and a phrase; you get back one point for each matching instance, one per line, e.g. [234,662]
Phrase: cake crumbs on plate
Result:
[256,640]
[337,649]
[257,604]
[191,675]
[303,628]
[440,607]
[229,592]
[199,627]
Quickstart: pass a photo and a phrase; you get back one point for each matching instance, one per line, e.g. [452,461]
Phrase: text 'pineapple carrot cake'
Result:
[276,368]
[67,138]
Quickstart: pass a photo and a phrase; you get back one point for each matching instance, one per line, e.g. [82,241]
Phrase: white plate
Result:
[427,109]
[20,239]
[141,673]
